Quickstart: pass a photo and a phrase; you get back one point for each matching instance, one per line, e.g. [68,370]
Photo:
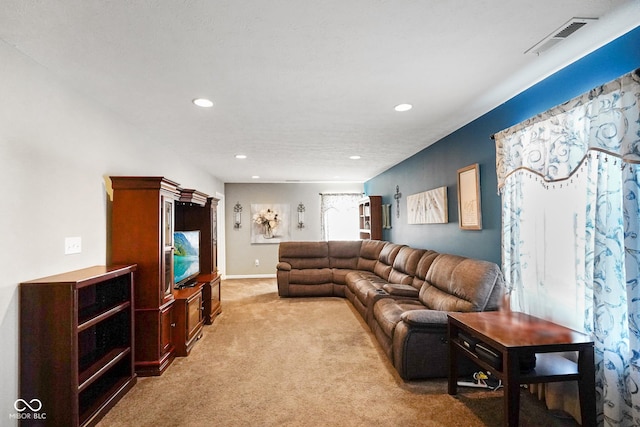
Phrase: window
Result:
[339,216]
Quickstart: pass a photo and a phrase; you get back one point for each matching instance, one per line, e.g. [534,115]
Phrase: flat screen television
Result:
[186,257]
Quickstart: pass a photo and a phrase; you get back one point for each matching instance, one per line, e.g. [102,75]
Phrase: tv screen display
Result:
[186,257]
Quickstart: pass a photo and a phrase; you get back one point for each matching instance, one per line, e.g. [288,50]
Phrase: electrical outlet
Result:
[72,245]
[257,262]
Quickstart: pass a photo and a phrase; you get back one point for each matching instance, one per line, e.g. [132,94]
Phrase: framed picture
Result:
[269,223]
[429,207]
[469,211]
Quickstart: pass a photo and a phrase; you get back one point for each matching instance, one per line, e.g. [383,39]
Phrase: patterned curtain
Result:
[339,205]
[570,179]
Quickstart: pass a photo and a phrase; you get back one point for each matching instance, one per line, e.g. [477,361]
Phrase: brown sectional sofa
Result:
[402,293]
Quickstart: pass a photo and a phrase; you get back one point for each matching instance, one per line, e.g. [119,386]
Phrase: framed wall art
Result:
[469,210]
[269,223]
[429,207]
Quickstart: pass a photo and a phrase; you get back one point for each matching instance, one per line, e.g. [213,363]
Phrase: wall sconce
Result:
[301,210]
[237,215]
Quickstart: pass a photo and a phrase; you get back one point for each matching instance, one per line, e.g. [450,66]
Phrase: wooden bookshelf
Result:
[370,217]
[76,344]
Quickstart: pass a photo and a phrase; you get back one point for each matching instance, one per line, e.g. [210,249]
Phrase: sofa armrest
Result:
[283,271]
[283,266]
[372,296]
[398,290]
[425,318]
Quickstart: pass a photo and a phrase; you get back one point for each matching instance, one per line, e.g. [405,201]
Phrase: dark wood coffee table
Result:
[514,335]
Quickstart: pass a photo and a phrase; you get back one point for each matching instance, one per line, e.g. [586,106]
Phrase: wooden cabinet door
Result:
[166,330]
[215,297]
[194,315]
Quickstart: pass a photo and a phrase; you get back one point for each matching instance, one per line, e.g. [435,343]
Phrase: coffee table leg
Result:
[511,389]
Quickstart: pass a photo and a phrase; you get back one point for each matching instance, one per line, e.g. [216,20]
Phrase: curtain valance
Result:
[552,144]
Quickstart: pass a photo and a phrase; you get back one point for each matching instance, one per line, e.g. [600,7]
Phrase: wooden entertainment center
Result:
[145,213]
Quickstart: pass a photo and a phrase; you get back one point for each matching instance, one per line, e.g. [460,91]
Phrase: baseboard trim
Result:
[250,276]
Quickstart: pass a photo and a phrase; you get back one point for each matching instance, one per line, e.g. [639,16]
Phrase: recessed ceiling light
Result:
[241,156]
[203,102]
[255,177]
[403,107]
[355,157]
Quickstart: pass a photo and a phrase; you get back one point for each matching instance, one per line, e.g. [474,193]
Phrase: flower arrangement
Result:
[268,218]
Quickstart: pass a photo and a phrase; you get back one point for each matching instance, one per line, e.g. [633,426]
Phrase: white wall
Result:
[241,253]
[56,149]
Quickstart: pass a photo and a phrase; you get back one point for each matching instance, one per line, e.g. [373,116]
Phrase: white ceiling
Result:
[301,85]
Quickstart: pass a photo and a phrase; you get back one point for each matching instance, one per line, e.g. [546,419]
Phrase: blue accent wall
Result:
[436,165]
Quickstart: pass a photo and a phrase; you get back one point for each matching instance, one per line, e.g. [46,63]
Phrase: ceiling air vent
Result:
[568,28]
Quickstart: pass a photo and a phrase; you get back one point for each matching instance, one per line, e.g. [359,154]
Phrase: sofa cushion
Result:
[344,254]
[310,276]
[423,268]
[369,254]
[361,282]
[405,265]
[385,260]
[340,275]
[303,255]
[398,290]
[456,283]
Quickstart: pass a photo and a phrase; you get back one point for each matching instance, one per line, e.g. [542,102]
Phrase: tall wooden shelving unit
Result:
[370,217]
[76,344]
[142,225]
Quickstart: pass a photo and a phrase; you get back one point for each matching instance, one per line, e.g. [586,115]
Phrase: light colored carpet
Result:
[268,361]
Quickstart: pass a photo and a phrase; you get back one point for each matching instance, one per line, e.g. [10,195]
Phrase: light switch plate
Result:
[72,245]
